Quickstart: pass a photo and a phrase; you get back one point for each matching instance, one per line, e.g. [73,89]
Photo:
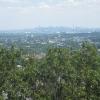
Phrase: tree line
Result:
[63,74]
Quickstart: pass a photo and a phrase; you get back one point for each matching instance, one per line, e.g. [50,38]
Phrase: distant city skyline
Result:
[24,14]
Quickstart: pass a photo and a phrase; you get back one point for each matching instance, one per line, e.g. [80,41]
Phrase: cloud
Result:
[43,5]
[47,3]
[29,13]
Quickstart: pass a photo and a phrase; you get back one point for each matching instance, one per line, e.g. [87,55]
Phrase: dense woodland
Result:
[63,74]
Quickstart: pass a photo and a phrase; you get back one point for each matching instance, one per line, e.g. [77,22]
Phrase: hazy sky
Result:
[20,14]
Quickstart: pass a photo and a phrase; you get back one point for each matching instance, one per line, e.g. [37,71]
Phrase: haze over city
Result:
[23,14]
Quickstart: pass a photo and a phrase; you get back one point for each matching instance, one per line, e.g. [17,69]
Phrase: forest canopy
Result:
[62,74]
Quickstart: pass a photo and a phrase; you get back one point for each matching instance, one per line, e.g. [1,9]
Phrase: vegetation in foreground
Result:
[63,74]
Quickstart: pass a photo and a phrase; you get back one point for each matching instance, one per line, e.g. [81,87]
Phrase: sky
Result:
[24,14]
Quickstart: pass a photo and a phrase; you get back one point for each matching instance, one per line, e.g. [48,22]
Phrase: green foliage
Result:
[63,74]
